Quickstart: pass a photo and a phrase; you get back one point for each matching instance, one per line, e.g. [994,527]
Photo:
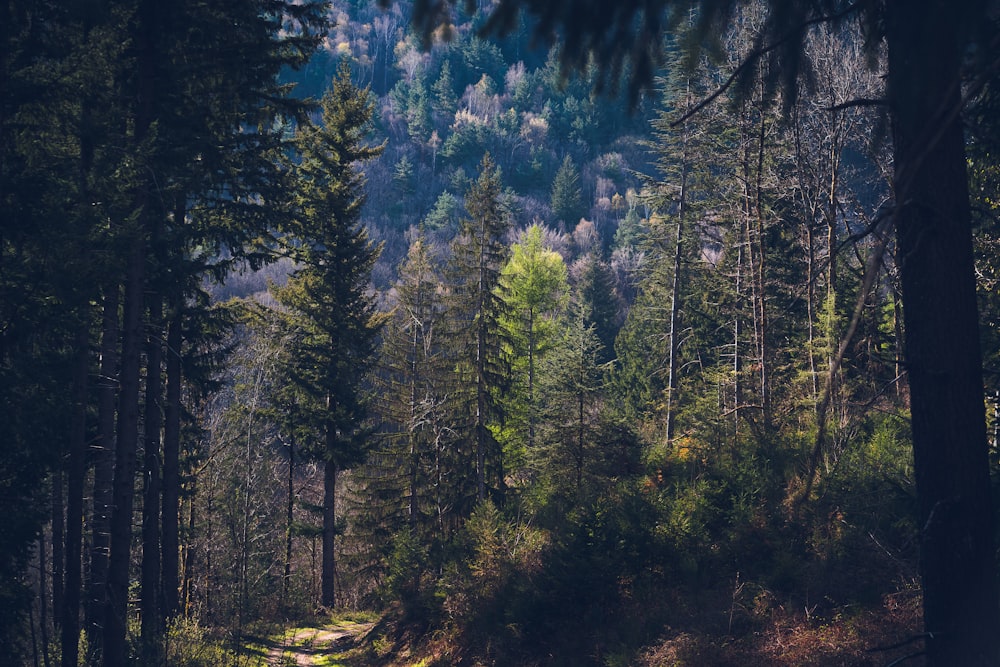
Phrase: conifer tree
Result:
[596,287]
[335,313]
[404,485]
[535,287]
[475,335]
[571,386]
[567,197]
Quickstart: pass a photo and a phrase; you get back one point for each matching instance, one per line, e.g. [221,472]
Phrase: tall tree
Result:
[926,46]
[476,338]
[329,292]
[406,484]
[535,287]
[570,386]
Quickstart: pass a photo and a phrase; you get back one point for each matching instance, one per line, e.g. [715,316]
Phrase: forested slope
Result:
[303,308]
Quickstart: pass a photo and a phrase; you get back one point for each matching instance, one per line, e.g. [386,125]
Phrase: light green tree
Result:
[535,289]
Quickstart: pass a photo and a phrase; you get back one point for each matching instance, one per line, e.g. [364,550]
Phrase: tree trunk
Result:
[531,378]
[329,565]
[171,468]
[675,289]
[150,580]
[58,541]
[104,468]
[43,601]
[123,490]
[187,561]
[70,638]
[116,616]
[942,349]
[289,521]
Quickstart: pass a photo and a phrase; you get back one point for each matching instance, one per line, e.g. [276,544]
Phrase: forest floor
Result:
[322,645]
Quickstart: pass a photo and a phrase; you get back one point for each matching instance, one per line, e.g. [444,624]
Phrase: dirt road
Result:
[308,646]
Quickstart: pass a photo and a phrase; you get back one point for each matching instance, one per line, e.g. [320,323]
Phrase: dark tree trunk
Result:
[58,540]
[116,616]
[150,579]
[123,493]
[43,601]
[188,561]
[171,468]
[942,349]
[675,294]
[104,467]
[289,522]
[74,503]
[328,584]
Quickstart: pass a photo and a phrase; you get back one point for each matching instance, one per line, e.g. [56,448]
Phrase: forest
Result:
[505,332]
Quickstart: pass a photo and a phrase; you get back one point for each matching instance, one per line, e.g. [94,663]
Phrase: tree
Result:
[535,286]
[570,389]
[567,199]
[926,43]
[595,286]
[406,482]
[335,312]
[475,336]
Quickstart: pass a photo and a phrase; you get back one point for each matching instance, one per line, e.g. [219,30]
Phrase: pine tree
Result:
[567,198]
[335,313]
[405,484]
[476,338]
[571,383]
[596,287]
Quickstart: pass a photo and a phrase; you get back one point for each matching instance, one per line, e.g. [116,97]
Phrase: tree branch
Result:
[757,54]
[872,268]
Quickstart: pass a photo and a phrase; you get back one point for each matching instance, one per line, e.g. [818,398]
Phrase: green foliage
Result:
[475,337]
[445,101]
[567,197]
[403,176]
[409,579]
[334,318]
[535,288]
[190,644]
[445,214]
[569,455]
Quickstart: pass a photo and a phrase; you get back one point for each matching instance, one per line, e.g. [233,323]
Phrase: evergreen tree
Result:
[476,338]
[336,316]
[405,484]
[567,197]
[571,384]
[596,287]
[444,101]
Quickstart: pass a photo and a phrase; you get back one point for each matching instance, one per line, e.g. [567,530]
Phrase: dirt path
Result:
[305,646]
